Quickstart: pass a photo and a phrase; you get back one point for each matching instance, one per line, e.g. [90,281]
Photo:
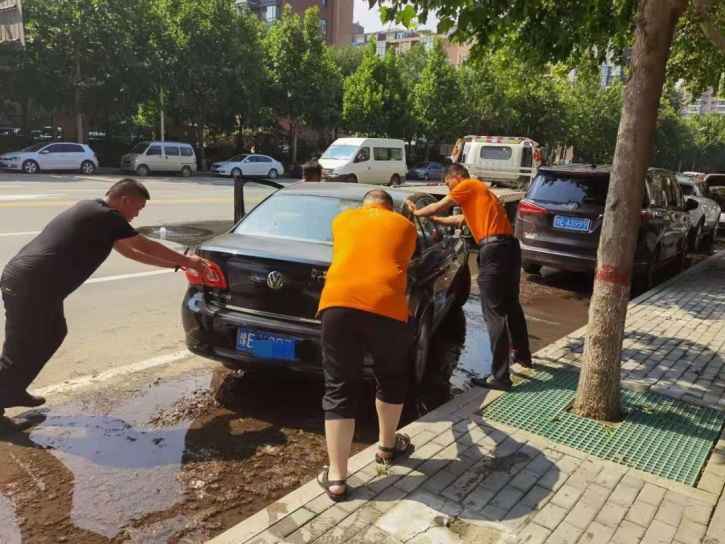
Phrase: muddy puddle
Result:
[180,460]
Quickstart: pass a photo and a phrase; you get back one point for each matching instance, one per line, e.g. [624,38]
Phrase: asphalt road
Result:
[127,312]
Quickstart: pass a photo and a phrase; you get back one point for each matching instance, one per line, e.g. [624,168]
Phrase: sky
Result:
[370,18]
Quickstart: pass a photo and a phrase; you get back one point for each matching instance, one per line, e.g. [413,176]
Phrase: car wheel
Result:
[422,347]
[352,178]
[531,268]
[30,167]
[88,168]
[395,180]
[681,260]
[462,287]
[273,174]
[695,237]
[142,170]
[236,173]
[186,172]
[648,280]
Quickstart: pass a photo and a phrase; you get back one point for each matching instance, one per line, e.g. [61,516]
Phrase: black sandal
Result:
[402,447]
[326,484]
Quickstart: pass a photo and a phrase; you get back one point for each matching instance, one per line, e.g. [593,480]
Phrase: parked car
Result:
[147,157]
[501,160]
[560,219]
[703,219]
[716,189]
[256,307]
[249,165]
[427,171]
[365,160]
[51,156]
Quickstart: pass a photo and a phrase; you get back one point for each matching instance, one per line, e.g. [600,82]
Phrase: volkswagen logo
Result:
[275,280]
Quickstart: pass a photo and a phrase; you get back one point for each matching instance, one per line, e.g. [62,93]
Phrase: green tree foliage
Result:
[436,98]
[347,58]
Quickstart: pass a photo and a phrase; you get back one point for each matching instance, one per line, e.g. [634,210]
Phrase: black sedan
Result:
[255,308]
[427,171]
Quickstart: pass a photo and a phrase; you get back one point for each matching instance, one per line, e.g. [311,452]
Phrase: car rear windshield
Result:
[299,217]
[569,190]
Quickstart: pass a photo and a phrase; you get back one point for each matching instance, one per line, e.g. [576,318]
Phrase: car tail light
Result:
[211,277]
[526,207]
[644,216]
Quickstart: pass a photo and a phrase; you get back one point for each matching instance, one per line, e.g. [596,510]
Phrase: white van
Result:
[365,160]
[507,161]
[147,157]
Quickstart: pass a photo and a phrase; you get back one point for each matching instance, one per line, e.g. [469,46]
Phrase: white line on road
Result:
[114,372]
[27,196]
[128,276]
[28,233]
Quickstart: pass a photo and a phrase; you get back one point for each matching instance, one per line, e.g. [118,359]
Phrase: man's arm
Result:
[141,249]
[455,220]
[435,208]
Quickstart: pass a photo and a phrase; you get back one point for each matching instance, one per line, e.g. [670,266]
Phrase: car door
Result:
[50,157]
[154,158]
[363,166]
[680,217]
[656,217]
[172,158]
[72,156]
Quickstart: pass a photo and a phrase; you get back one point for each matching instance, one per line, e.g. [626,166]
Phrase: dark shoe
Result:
[402,447]
[490,383]
[31,401]
[19,424]
[526,363]
[327,484]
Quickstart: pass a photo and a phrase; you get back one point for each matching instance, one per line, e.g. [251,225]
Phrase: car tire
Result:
[88,168]
[186,172]
[236,173]
[421,349]
[352,178]
[694,238]
[531,268]
[142,170]
[273,174]
[681,260]
[31,167]
[461,287]
[648,280]
[394,180]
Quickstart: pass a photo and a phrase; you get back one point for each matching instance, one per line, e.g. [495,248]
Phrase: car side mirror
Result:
[44,152]
[691,204]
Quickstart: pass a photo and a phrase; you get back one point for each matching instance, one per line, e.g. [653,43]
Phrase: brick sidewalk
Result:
[471,480]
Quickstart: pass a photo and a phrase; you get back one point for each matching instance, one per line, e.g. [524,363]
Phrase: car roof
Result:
[593,170]
[347,191]
[358,141]
[166,142]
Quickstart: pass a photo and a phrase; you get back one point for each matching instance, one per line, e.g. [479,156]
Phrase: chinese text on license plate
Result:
[266,345]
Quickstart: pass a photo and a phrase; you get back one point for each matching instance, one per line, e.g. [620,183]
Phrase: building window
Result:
[380,49]
[271,13]
[323,26]
[323,3]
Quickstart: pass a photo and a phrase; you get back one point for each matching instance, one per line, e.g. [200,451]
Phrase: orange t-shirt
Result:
[371,251]
[484,212]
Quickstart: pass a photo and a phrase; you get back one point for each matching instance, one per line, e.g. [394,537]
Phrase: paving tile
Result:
[551,516]
[690,532]
[537,497]
[525,480]
[597,533]
[289,524]
[659,533]
[611,514]
[628,533]
[567,496]
[582,515]
[651,494]
[698,512]
[625,493]
[533,534]
[670,513]
[565,533]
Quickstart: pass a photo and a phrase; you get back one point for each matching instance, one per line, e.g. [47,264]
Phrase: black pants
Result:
[34,329]
[499,274]
[347,336]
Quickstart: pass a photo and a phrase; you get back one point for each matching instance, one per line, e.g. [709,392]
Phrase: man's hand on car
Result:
[411,205]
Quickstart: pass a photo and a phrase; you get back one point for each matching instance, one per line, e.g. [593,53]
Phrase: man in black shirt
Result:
[53,265]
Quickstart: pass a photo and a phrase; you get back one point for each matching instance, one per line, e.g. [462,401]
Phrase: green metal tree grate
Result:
[659,435]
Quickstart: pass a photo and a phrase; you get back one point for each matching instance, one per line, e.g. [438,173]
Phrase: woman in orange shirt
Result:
[499,262]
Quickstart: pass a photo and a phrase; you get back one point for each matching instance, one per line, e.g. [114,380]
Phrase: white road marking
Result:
[28,196]
[28,233]
[532,318]
[128,276]
[84,381]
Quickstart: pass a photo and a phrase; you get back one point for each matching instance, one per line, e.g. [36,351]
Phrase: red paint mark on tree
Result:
[610,274]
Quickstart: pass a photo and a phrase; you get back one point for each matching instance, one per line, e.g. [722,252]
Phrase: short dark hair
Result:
[381,197]
[128,187]
[457,170]
[312,169]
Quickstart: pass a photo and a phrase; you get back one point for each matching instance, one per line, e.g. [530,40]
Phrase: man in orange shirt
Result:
[499,262]
[364,310]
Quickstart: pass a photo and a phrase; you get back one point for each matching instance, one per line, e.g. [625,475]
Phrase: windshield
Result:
[341,152]
[570,190]
[237,158]
[139,148]
[34,147]
[301,217]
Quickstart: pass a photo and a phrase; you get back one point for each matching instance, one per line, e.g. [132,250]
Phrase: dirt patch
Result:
[200,402]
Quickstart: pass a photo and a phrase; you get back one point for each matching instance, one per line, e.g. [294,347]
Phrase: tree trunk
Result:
[598,393]
[77,101]
[293,143]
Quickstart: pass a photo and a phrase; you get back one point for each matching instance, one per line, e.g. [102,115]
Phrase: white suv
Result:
[51,156]
[148,157]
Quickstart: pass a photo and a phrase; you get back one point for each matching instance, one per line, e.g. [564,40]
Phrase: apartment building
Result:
[708,102]
[401,41]
[335,15]
[11,22]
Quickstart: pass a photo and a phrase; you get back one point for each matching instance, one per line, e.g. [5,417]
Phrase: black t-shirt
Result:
[70,248]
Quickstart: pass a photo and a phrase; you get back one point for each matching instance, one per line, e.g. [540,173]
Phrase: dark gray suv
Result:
[560,219]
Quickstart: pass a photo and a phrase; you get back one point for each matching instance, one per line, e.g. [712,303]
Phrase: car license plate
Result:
[578,224]
[266,345]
